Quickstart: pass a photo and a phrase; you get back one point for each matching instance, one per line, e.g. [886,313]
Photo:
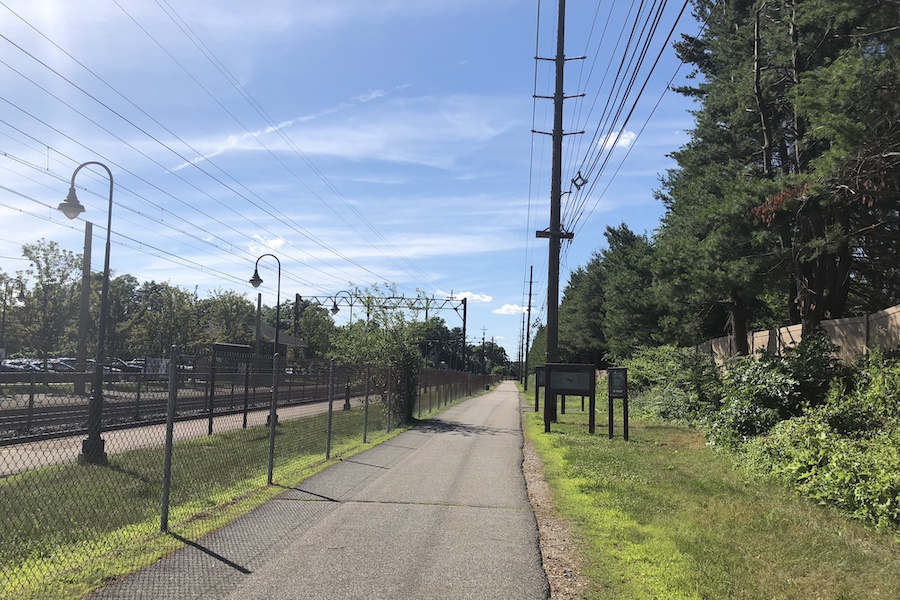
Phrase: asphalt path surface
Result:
[440,511]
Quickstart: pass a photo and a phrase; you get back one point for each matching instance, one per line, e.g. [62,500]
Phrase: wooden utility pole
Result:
[555,232]
[528,326]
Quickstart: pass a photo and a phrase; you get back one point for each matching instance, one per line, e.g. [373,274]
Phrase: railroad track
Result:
[32,416]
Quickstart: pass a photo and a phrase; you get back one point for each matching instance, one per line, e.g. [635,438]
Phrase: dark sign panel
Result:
[618,382]
[574,379]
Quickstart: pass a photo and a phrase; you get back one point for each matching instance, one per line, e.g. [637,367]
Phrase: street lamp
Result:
[93,446]
[335,309]
[255,281]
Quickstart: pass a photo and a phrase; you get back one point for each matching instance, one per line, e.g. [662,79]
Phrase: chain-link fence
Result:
[89,483]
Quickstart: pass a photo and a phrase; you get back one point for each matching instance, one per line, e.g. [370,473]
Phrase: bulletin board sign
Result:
[618,382]
[540,376]
[570,379]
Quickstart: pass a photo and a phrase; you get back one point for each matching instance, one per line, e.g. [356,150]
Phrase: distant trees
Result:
[51,301]
[147,319]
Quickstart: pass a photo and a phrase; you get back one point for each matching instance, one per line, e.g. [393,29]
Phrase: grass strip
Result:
[663,516]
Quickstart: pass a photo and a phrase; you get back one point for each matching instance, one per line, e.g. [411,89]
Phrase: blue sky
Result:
[360,141]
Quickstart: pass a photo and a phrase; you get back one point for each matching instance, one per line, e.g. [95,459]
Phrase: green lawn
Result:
[664,516]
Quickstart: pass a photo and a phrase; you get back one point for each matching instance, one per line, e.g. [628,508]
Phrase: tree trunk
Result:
[760,101]
[737,316]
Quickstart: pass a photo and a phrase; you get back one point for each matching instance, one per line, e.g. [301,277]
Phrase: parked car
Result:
[138,363]
[21,365]
[59,366]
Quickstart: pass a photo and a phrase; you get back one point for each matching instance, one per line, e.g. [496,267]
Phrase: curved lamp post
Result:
[335,308]
[255,281]
[93,446]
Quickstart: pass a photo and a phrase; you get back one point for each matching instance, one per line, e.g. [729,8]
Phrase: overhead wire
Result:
[279,130]
[210,55]
[607,135]
[298,229]
[596,173]
[628,70]
[304,233]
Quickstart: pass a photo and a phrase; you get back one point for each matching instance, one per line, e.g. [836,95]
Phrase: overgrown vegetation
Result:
[832,432]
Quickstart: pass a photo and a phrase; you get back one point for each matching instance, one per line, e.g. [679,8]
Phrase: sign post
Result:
[540,380]
[618,388]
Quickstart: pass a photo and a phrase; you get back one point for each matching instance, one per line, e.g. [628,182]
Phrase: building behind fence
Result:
[59,517]
[852,335]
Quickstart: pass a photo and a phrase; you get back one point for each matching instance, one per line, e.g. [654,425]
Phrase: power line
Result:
[274,213]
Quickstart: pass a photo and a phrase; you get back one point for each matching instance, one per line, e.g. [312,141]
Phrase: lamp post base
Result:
[93,452]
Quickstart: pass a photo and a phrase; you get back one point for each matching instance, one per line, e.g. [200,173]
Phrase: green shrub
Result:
[677,384]
[860,477]
[874,401]
[846,452]
[757,395]
[760,391]
[814,364]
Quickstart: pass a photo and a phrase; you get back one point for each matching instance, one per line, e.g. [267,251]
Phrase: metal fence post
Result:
[273,417]
[212,393]
[423,391]
[137,399]
[30,416]
[347,405]
[366,407]
[247,368]
[390,377]
[170,427]
[330,410]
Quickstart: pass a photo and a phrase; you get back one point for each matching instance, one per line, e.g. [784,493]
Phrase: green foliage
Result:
[632,312]
[761,391]
[168,316]
[537,355]
[670,383]
[859,476]
[845,452]
[872,405]
[52,299]
[387,338]
[228,317]
[581,314]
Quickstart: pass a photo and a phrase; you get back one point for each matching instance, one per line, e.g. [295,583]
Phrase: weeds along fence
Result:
[186,450]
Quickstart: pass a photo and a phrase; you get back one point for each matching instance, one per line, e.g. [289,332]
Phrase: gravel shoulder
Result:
[559,551]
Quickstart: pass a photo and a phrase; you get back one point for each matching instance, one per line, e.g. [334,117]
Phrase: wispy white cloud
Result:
[621,139]
[265,245]
[368,96]
[470,296]
[430,131]
[509,309]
